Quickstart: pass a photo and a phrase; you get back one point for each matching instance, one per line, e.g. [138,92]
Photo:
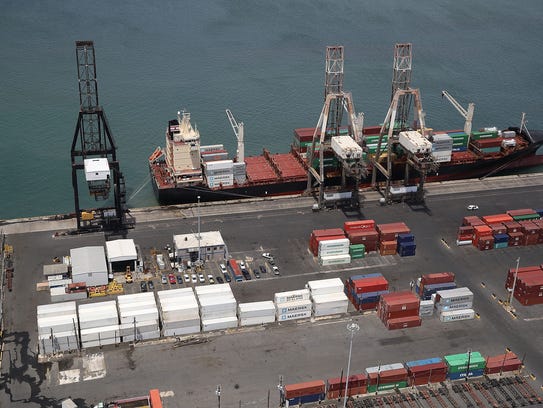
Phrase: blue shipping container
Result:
[406,253]
[406,238]
[540,212]
[501,238]
[305,399]
[423,362]
[462,374]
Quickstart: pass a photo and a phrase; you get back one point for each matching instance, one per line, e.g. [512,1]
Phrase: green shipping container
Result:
[383,387]
[459,362]
[484,135]
[526,217]
[500,245]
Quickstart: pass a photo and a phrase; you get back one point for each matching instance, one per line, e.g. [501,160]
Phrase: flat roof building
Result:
[211,244]
[89,265]
[120,254]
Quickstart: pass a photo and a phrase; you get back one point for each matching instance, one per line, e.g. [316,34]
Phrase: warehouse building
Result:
[211,244]
[89,265]
[121,253]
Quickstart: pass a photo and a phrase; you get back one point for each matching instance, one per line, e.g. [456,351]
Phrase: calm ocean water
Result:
[264,60]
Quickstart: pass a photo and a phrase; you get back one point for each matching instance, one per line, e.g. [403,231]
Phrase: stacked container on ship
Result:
[454,304]
[302,393]
[179,312]
[139,317]
[292,305]
[256,313]
[57,328]
[328,297]
[364,291]
[218,307]
[99,324]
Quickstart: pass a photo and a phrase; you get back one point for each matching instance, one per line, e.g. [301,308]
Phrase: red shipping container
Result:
[386,315]
[370,246]
[367,306]
[368,285]
[359,225]
[302,389]
[524,211]
[362,236]
[387,376]
[441,277]
[528,227]
[498,229]
[530,240]
[403,323]
[472,220]
[482,230]
[467,230]
[512,226]
[328,232]
[388,245]
[497,218]
[399,301]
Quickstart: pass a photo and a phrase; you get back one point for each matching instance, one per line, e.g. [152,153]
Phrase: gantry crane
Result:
[94,151]
[466,114]
[336,101]
[395,123]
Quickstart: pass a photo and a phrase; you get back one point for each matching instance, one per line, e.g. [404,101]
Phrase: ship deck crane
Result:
[238,131]
[94,151]
[466,114]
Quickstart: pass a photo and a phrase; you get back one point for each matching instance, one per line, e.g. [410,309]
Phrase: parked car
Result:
[275,270]
[242,265]
[227,277]
[263,269]
[271,261]
[143,286]
[171,278]
[201,278]
[472,207]
[223,267]
[256,273]
[187,277]
[179,279]
[246,274]
[193,278]
[151,285]
[267,255]
[164,280]
[210,279]
[219,279]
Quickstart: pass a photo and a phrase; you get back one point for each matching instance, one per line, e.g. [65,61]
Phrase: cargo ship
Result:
[184,171]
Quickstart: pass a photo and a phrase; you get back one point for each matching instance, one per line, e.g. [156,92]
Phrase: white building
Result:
[211,244]
[120,254]
[89,265]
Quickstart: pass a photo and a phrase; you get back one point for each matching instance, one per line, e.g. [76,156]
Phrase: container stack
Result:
[431,370]
[323,235]
[302,393]
[426,308]
[303,138]
[502,363]
[430,283]
[362,232]
[388,236]
[460,141]
[386,377]
[357,251]
[454,304]
[335,387]
[179,312]
[464,235]
[139,317]
[528,286]
[292,305]
[256,313]
[219,173]
[334,252]
[328,297]
[213,153]
[442,145]
[218,307]
[465,365]
[372,141]
[406,245]
[399,310]
[364,291]
[99,324]
[57,328]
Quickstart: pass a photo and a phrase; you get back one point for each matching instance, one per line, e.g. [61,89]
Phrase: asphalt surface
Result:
[247,363]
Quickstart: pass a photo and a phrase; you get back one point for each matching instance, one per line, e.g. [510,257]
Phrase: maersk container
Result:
[457,315]
[457,295]
[291,307]
[291,296]
[453,306]
[294,315]
[325,286]
[335,260]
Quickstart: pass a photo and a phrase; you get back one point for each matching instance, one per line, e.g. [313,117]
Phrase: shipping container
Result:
[235,270]
[303,389]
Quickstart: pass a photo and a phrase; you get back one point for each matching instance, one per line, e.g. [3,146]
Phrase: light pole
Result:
[353,327]
[514,284]
[218,394]
[199,236]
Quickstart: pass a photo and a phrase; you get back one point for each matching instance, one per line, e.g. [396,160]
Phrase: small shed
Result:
[120,254]
[89,265]
[55,270]
[211,245]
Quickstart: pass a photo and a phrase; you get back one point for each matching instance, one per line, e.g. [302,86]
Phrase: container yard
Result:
[241,333]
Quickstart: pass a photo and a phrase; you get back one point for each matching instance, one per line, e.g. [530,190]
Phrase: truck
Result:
[235,270]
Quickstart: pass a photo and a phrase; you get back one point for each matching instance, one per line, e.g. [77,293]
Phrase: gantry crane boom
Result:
[238,131]
[466,114]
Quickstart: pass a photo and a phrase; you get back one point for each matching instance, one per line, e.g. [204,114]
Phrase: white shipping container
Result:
[177,316]
[139,316]
[180,324]
[219,324]
[175,293]
[98,321]
[414,142]
[324,286]
[291,296]
[335,260]
[62,296]
[250,321]
[294,316]
[142,336]
[329,311]
[127,329]
[255,309]
[290,307]
[181,331]
[211,148]
[346,148]
[465,242]
[334,243]
[453,306]
[213,289]
[134,297]
[457,315]
[219,165]
[101,342]
[458,295]
[385,367]
[55,277]
[60,282]
[56,309]
[104,332]
[334,251]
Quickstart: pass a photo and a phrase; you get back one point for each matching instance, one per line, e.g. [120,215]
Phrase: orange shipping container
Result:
[497,218]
